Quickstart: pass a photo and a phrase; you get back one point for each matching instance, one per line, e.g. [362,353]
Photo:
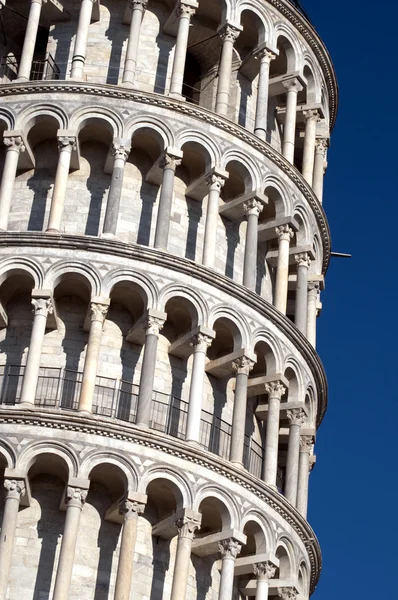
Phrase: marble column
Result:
[264,571]
[260,125]
[170,162]
[252,208]
[312,311]
[215,183]
[242,367]
[185,12]
[66,145]
[186,530]
[80,49]
[153,327]
[15,489]
[296,418]
[229,34]
[42,307]
[75,499]
[300,316]
[293,87]
[275,391]
[14,145]
[284,234]
[229,550]
[311,120]
[306,444]
[28,49]
[288,593]
[200,343]
[130,510]
[130,64]
[120,153]
[319,167]
[98,312]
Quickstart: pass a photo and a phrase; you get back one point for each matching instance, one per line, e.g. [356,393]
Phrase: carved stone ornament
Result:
[138,4]
[170,162]
[266,55]
[312,114]
[229,548]
[302,259]
[306,443]
[313,289]
[229,33]
[201,342]
[14,143]
[154,325]
[120,151]
[215,182]
[253,207]
[185,11]
[321,145]
[186,527]
[296,416]
[264,570]
[42,306]
[66,143]
[284,232]
[275,389]
[292,86]
[15,488]
[75,495]
[243,365]
[287,593]
[98,312]
[130,508]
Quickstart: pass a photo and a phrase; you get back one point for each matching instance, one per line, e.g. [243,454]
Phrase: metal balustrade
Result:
[44,68]
[60,389]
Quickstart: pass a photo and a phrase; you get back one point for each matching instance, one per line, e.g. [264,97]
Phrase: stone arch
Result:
[7,117]
[311,75]
[286,555]
[8,453]
[311,404]
[223,501]
[304,233]
[303,579]
[111,119]
[293,374]
[274,356]
[318,253]
[262,25]
[159,128]
[239,330]
[122,463]
[142,280]
[288,45]
[247,171]
[278,195]
[39,112]
[88,272]
[202,140]
[199,303]
[31,452]
[26,266]
[180,485]
[263,533]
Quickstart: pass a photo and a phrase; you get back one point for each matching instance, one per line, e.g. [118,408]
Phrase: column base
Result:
[56,231]
[176,96]
[237,464]
[21,80]
[194,443]
[26,405]
[129,84]
[108,236]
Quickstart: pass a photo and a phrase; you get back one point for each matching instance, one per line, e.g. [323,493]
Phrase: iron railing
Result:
[60,389]
[44,68]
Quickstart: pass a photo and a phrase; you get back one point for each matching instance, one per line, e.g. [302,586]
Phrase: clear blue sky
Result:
[353,487]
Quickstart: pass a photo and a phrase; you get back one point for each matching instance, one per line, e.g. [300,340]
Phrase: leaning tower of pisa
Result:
[162,252]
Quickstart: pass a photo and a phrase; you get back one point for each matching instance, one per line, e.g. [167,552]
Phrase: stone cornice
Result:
[144,254]
[318,47]
[143,437]
[203,114]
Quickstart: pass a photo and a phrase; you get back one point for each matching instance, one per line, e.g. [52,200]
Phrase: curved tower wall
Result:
[161,212]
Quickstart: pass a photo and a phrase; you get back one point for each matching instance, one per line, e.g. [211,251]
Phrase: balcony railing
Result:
[43,68]
[60,389]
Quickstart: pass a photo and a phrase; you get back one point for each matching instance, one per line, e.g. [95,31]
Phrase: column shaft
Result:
[28,48]
[185,13]
[289,131]
[260,126]
[228,34]
[215,184]
[186,530]
[242,367]
[296,417]
[98,315]
[165,201]
[229,549]
[41,308]
[15,489]
[14,146]
[306,443]
[130,63]
[312,312]
[264,572]
[66,146]
[275,392]
[75,500]
[201,343]
[120,154]
[79,52]
[131,510]
[148,371]
[284,233]
[300,317]
[319,168]
[252,210]
[312,117]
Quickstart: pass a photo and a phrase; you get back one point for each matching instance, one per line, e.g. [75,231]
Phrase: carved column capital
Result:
[130,509]
[15,488]
[287,593]
[321,145]
[242,365]
[264,570]
[170,161]
[75,496]
[266,55]
[306,443]
[253,207]
[229,548]
[302,259]
[14,143]
[296,416]
[187,527]
[138,4]
[314,289]
[275,389]
[229,33]
[201,342]
[284,232]
[42,306]
[311,114]
[293,85]
[154,325]
[98,312]
[185,11]
[120,151]
[215,182]
[66,143]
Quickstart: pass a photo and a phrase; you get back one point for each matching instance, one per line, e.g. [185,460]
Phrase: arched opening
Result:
[284,570]
[255,539]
